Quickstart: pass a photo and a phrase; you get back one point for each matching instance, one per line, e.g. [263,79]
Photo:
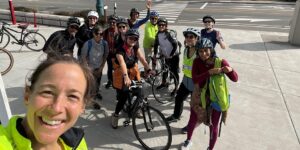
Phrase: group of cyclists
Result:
[118,46]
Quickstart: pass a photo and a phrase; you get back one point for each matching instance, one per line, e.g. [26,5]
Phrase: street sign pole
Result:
[5,112]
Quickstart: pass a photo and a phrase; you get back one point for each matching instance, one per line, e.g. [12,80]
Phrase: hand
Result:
[148,4]
[219,36]
[214,71]
[227,69]
[127,81]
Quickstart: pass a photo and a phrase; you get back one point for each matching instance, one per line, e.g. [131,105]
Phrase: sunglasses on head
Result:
[120,27]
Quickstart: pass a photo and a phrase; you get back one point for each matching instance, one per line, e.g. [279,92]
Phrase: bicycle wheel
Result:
[6,61]
[164,95]
[34,41]
[152,131]
[4,40]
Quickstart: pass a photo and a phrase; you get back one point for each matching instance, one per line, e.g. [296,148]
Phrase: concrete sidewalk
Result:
[264,113]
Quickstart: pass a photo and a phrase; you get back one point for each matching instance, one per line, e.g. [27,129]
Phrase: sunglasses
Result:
[112,22]
[189,36]
[161,25]
[207,21]
[153,18]
[101,33]
[120,27]
[132,38]
[74,27]
[93,18]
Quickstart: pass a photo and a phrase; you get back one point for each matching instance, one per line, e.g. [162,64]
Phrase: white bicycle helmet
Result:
[193,31]
[93,13]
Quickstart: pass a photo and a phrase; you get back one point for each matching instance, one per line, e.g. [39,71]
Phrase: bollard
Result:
[5,112]
[12,12]
[294,35]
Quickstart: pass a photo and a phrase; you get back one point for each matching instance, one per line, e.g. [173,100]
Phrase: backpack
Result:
[173,35]
[90,44]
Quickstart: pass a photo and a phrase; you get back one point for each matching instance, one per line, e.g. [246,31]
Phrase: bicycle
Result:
[6,61]
[149,124]
[30,38]
[165,94]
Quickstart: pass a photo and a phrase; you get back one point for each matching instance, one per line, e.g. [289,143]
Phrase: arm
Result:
[174,45]
[220,40]
[231,74]
[47,47]
[84,50]
[144,20]
[105,55]
[121,61]
[142,59]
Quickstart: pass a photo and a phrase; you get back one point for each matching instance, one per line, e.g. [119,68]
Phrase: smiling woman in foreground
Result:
[55,96]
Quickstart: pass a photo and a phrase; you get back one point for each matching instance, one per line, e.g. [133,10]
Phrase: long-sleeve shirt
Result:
[200,72]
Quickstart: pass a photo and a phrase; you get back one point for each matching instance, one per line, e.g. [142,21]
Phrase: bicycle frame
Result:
[8,30]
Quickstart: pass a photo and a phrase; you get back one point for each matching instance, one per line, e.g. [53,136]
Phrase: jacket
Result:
[12,139]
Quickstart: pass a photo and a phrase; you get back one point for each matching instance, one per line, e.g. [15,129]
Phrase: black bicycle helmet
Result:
[73,21]
[194,31]
[209,17]
[113,17]
[133,32]
[134,10]
[162,19]
[122,20]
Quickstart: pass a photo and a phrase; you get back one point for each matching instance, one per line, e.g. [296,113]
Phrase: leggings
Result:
[215,118]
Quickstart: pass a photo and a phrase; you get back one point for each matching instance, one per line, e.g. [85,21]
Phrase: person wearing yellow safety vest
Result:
[150,33]
[55,96]
[210,89]
[186,87]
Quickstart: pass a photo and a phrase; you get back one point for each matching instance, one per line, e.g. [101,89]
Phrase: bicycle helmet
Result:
[133,32]
[73,21]
[209,17]
[154,14]
[194,31]
[113,17]
[162,19]
[134,10]
[122,20]
[204,43]
[93,14]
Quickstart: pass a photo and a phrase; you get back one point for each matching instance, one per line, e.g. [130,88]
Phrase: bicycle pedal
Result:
[126,123]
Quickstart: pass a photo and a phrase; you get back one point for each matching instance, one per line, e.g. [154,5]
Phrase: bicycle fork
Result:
[148,128]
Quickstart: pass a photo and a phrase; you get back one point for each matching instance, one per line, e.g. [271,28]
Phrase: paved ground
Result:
[264,113]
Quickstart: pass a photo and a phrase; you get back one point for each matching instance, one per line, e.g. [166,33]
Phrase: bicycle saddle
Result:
[23,26]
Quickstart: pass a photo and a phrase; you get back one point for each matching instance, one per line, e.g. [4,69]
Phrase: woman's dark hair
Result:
[97,28]
[90,89]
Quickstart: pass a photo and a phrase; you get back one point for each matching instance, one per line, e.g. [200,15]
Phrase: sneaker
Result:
[184,130]
[186,145]
[139,114]
[108,84]
[114,121]
[171,119]
[161,86]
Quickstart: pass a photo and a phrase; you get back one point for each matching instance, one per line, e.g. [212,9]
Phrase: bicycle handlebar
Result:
[136,84]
